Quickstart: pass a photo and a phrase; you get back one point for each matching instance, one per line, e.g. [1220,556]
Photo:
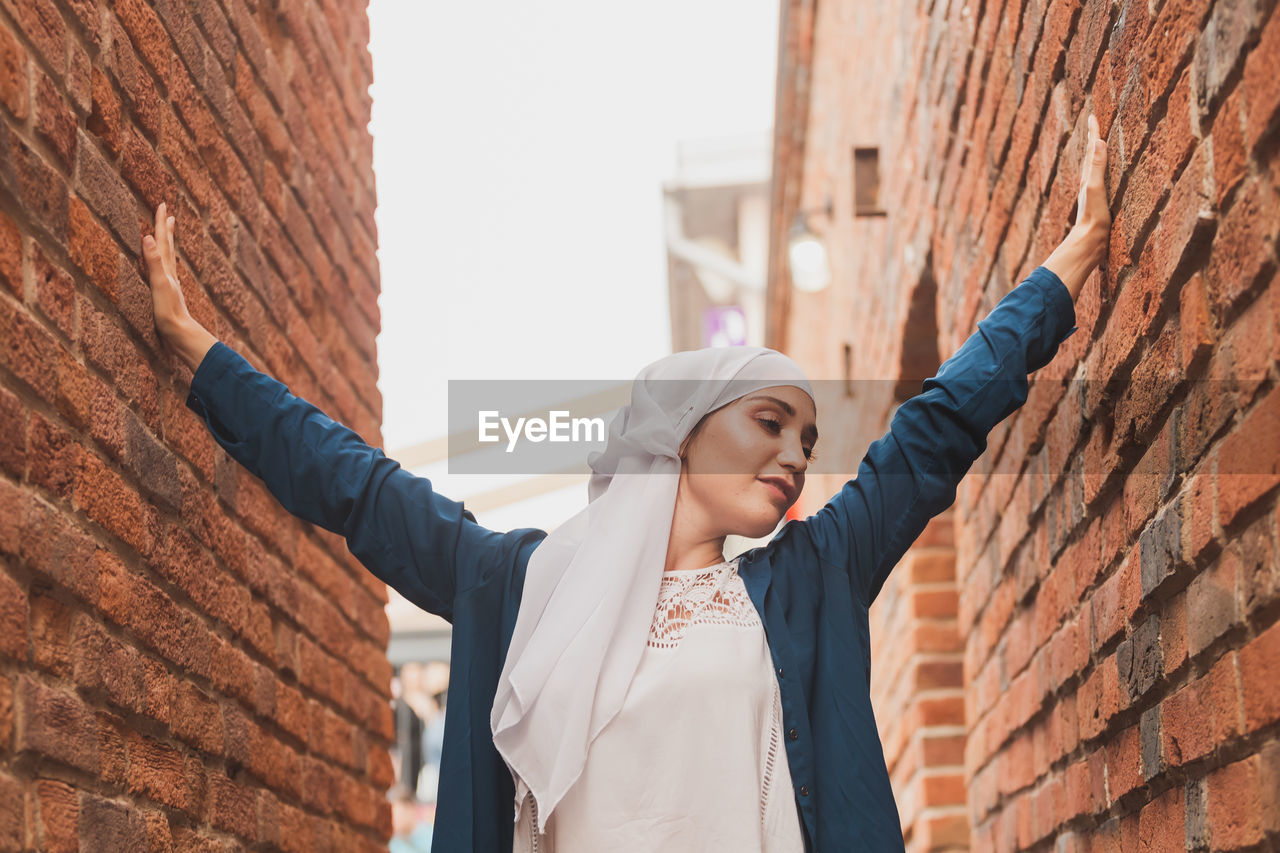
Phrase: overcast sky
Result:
[520,150]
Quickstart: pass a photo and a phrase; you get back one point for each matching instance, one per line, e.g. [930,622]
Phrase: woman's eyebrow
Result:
[810,431]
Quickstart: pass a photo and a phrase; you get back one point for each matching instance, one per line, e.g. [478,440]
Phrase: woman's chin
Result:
[764,523]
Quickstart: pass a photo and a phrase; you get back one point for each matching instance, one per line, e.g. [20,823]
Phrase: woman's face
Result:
[766,435]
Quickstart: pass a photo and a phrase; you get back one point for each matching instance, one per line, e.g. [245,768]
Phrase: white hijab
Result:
[591,586]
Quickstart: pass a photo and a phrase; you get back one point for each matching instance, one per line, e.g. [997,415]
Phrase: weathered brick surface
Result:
[1115,591]
[182,664]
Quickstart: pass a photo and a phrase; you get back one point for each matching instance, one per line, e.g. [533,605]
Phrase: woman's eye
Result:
[773,425]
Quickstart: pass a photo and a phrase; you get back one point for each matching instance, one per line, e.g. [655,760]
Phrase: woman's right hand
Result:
[174,322]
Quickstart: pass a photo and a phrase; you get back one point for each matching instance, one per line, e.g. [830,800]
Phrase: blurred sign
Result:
[724,326]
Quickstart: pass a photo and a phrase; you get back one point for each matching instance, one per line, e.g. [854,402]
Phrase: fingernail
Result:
[148,241]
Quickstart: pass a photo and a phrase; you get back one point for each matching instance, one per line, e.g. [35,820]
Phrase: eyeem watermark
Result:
[561,427]
[541,427]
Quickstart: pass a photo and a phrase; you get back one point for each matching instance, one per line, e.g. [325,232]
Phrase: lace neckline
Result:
[714,595]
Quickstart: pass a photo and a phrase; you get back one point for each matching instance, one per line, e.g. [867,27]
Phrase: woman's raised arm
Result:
[910,474]
[421,543]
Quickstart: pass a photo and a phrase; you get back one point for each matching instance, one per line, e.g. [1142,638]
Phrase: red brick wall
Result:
[1116,562]
[182,664]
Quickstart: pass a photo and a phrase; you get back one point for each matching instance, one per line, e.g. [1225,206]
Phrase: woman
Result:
[581,717]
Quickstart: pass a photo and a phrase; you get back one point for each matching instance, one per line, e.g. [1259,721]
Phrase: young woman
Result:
[618,685]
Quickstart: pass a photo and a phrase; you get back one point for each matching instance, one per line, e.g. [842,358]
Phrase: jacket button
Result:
[793,734]
[779,672]
[804,790]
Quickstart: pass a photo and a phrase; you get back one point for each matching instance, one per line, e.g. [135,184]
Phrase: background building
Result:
[1082,654]
[716,213]
[183,665]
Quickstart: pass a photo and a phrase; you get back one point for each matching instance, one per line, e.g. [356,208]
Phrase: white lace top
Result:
[694,760]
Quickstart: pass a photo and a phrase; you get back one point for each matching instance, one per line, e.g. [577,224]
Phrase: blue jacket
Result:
[812,583]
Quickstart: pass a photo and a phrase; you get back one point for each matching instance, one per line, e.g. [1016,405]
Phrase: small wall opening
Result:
[866,182]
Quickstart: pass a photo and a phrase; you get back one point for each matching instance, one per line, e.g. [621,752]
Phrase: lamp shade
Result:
[807,256]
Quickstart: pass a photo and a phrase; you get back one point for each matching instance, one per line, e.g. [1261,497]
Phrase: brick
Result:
[1209,405]
[105,193]
[1241,250]
[13,618]
[40,22]
[1114,601]
[79,84]
[108,500]
[56,724]
[1259,568]
[50,635]
[1247,345]
[1162,822]
[1220,48]
[159,835]
[13,820]
[1171,143]
[1186,731]
[1269,785]
[1259,670]
[13,424]
[215,24]
[1161,548]
[54,457]
[141,168]
[1195,325]
[111,350]
[104,120]
[1229,154]
[11,254]
[1139,661]
[157,771]
[1248,463]
[1235,805]
[1182,241]
[110,826]
[1124,762]
[102,663]
[1261,84]
[59,814]
[1222,694]
[1196,835]
[171,631]
[147,35]
[57,551]
[38,188]
[1212,606]
[137,87]
[13,75]
[197,718]
[27,350]
[1149,731]
[55,293]
[232,807]
[92,249]
[55,122]
[1098,699]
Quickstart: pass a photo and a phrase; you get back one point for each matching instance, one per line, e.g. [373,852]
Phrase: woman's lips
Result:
[775,490]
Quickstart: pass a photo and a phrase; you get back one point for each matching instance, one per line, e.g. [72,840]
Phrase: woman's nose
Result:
[793,456]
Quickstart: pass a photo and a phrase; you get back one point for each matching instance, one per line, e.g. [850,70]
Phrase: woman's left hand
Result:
[1093,216]
[1085,246]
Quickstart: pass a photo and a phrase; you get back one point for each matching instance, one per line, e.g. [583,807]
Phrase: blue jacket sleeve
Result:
[910,474]
[421,543]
